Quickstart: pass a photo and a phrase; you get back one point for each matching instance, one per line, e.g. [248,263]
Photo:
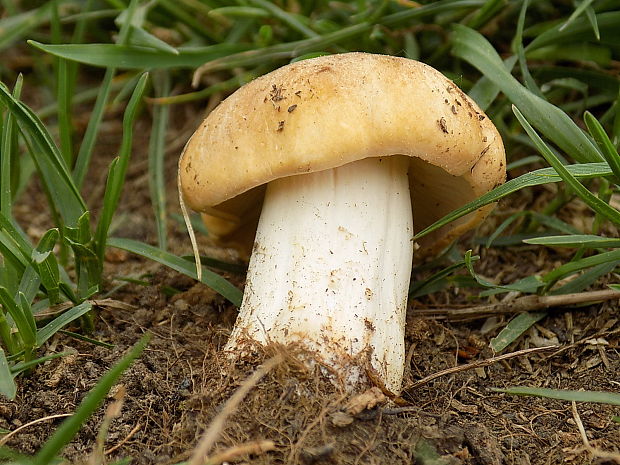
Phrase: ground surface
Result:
[180,383]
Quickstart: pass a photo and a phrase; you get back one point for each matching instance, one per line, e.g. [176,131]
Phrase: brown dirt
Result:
[181,382]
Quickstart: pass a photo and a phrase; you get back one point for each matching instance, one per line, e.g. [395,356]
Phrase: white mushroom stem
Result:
[330,268]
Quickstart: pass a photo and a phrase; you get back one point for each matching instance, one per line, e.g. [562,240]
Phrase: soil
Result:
[173,393]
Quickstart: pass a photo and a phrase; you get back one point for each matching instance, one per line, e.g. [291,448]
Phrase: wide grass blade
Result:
[50,163]
[588,197]
[472,47]
[599,397]
[9,162]
[211,279]
[91,402]
[7,385]
[24,321]
[61,321]
[514,329]
[140,58]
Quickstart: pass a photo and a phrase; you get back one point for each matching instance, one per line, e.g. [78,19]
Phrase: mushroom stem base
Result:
[330,268]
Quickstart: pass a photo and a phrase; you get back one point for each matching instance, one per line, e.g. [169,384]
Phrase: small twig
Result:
[107,303]
[125,439]
[522,304]
[5,439]
[217,424]
[477,364]
[253,447]
[582,430]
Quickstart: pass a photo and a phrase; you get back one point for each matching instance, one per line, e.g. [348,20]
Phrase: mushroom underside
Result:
[330,268]
[434,193]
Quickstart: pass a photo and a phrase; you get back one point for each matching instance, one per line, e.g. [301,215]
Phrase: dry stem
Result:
[217,425]
[477,364]
[522,304]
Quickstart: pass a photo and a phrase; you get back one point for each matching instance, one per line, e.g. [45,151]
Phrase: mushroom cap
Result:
[325,112]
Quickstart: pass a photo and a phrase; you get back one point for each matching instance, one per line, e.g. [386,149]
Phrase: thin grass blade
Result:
[534,178]
[573,267]
[590,241]
[24,366]
[585,280]
[580,31]
[420,288]
[157,144]
[211,279]
[118,170]
[604,143]
[588,197]
[599,397]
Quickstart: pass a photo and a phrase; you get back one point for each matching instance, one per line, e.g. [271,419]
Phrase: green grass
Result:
[551,93]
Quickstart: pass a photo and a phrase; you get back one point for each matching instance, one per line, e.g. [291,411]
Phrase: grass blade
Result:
[157,144]
[604,143]
[514,329]
[118,170]
[49,161]
[61,321]
[211,279]
[580,31]
[7,385]
[290,50]
[583,240]
[140,58]
[578,11]
[14,27]
[91,402]
[472,47]
[21,319]
[9,161]
[572,267]
[599,397]
[46,265]
[534,178]
[585,280]
[588,197]
[420,288]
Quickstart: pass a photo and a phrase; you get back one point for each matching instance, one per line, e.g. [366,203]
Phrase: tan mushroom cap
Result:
[325,112]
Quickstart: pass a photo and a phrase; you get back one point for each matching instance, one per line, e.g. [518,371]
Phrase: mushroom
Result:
[329,165]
